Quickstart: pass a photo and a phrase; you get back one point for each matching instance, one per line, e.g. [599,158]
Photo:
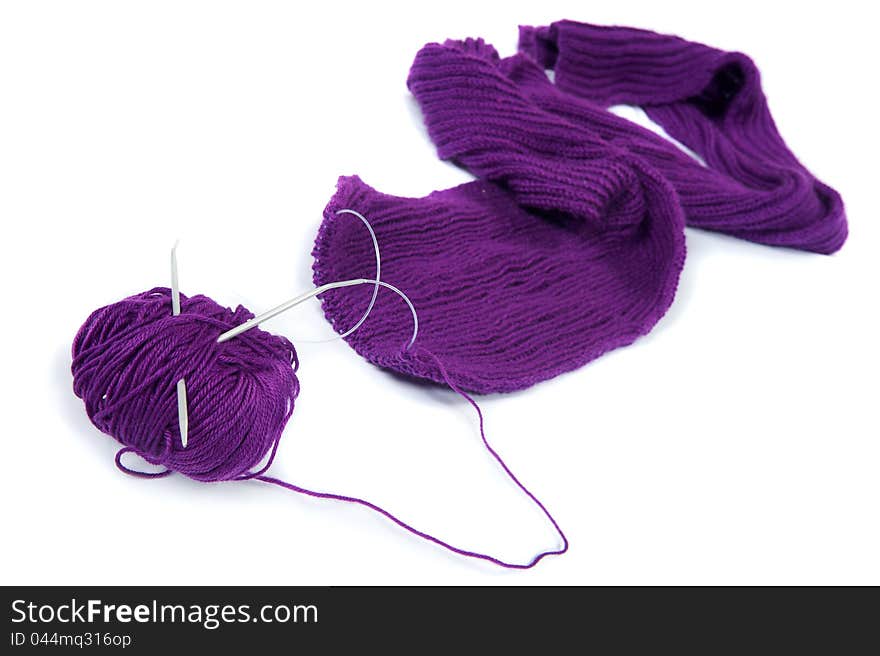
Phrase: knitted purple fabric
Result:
[711,101]
[506,297]
[571,243]
[576,252]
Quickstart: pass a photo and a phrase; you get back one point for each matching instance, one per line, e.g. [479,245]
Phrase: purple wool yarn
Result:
[752,186]
[128,357]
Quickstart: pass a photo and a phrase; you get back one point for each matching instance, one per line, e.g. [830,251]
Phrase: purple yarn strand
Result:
[427,536]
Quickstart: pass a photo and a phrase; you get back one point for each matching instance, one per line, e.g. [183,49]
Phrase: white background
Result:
[738,443]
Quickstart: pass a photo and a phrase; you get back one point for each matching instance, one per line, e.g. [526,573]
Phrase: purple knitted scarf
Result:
[571,242]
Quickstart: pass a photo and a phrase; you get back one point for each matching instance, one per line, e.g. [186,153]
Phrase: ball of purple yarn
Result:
[128,357]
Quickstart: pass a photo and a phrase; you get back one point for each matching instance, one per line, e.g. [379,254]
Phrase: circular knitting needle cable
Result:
[182,409]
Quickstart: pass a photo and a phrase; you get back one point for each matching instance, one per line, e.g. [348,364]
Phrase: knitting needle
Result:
[182,411]
[304,297]
[256,321]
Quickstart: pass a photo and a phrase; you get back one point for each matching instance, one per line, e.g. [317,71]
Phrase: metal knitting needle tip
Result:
[274,312]
[302,298]
[182,410]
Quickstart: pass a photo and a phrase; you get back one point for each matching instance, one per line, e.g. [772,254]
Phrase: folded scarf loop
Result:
[711,101]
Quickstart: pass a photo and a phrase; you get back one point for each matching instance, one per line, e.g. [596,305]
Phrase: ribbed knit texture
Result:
[506,297]
[483,121]
[711,101]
